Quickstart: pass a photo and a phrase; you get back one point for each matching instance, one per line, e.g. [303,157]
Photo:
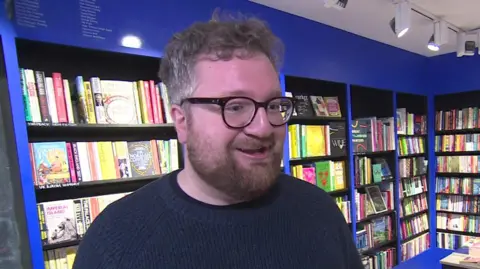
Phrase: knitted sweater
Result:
[295,225]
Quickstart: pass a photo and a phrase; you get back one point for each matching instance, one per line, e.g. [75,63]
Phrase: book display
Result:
[457,187]
[97,131]
[413,189]
[317,135]
[374,148]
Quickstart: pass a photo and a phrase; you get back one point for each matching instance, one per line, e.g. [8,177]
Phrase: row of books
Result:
[413,205]
[373,134]
[315,105]
[410,124]
[384,259]
[413,226]
[344,205]
[411,145]
[374,233]
[60,258]
[61,162]
[415,246]
[454,241]
[327,175]
[373,201]
[458,185]
[412,186]
[458,164]
[49,100]
[457,143]
[368,170]
[458,222]
[458,203]
[68,220]
[410,167]
[457,119]
[317,140]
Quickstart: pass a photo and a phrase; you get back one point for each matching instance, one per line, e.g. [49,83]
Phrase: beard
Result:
[218,168]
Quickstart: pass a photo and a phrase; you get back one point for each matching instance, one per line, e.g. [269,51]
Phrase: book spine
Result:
[76,159]
[148,101]
[32,96]
[59,97]
[71,163]
[68,101]
[154,103]
[26,100]
[98,100]
[89,101]
[42,96]
[52,106]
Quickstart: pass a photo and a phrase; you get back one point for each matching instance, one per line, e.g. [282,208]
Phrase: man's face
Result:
[241,163]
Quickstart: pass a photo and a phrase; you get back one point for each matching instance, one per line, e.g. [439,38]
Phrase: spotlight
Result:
[401,22]
[432,45]
[131,41]
[338,4]
[466,44]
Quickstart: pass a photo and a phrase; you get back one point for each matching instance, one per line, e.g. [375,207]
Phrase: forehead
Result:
[254,77]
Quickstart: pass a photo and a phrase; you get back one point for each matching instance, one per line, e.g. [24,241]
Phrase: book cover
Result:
[141,158]
[319,106]
[51,162]
[60,221]
[303,107]
[338,139]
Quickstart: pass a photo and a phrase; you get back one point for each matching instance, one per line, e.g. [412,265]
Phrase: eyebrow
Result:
[242,92]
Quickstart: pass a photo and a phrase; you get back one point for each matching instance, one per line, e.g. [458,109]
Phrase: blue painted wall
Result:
[312,49]
[448,74]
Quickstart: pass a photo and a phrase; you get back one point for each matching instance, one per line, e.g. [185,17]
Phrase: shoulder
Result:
[118,227]
[308,197]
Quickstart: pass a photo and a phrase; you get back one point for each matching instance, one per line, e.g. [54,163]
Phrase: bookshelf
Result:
[375,170]
[85,155]
[413,185]
[317,137]
[457,179]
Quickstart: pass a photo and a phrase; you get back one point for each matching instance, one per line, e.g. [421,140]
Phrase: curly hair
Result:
[221,38]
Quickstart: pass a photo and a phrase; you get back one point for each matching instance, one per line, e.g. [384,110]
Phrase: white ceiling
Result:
[370,19]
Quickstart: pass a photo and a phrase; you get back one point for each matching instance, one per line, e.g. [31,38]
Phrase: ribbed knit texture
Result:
[296,225]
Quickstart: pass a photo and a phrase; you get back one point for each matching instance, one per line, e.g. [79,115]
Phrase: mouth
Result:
[260,152]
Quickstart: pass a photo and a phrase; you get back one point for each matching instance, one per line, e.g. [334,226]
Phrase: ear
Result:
[180,122]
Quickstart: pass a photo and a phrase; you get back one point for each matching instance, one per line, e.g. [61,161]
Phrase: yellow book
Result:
[142,99]
[107,160]
[315,140]
[292,132]
[89,101]
[339,175]
[71,253]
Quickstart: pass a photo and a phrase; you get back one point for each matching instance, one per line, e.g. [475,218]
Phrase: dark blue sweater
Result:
[296,225]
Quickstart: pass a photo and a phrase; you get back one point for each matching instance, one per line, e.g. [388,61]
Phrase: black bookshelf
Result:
[368,107]
[312,87]
[417,105]
[449,126]
[71,62]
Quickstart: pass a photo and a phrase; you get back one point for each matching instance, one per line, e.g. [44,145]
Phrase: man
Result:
[229,208]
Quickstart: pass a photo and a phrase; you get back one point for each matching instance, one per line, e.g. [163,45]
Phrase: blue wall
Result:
[448,74]
[312,49]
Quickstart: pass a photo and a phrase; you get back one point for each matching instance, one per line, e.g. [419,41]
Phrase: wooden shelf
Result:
[457,153]
[314,120]
[39,132]
[462,131]
[457,232]
[412,155]
[415,236]
[303,160]
[56,192]
[378,247]
[459,213]
[374,216]
[374,153]
[375,184]
[425,211]
[62,244]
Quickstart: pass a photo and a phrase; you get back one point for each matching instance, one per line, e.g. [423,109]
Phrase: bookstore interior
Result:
[386,120]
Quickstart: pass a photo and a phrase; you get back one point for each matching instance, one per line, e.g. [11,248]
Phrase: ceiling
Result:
[370,19]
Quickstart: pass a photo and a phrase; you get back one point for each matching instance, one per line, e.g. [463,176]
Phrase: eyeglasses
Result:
[239,112]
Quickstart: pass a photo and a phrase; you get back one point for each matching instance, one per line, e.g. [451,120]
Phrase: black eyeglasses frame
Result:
[222,101]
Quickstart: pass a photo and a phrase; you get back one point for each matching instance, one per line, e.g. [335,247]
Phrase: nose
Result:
[260,125]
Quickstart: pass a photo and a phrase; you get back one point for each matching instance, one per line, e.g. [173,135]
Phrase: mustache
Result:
[254,143]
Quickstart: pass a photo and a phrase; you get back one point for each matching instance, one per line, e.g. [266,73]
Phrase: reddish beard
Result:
[219,169]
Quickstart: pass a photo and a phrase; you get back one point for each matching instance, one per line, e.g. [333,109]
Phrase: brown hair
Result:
[221,38]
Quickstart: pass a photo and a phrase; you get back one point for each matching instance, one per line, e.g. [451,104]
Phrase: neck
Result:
[193,185]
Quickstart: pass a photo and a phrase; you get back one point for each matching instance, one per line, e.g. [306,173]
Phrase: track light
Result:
[432,45]
[338,4]
[401,22]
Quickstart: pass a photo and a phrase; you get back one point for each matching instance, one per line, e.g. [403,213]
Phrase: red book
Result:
[59,97]
[153,96]
[148,101]
[71,163]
